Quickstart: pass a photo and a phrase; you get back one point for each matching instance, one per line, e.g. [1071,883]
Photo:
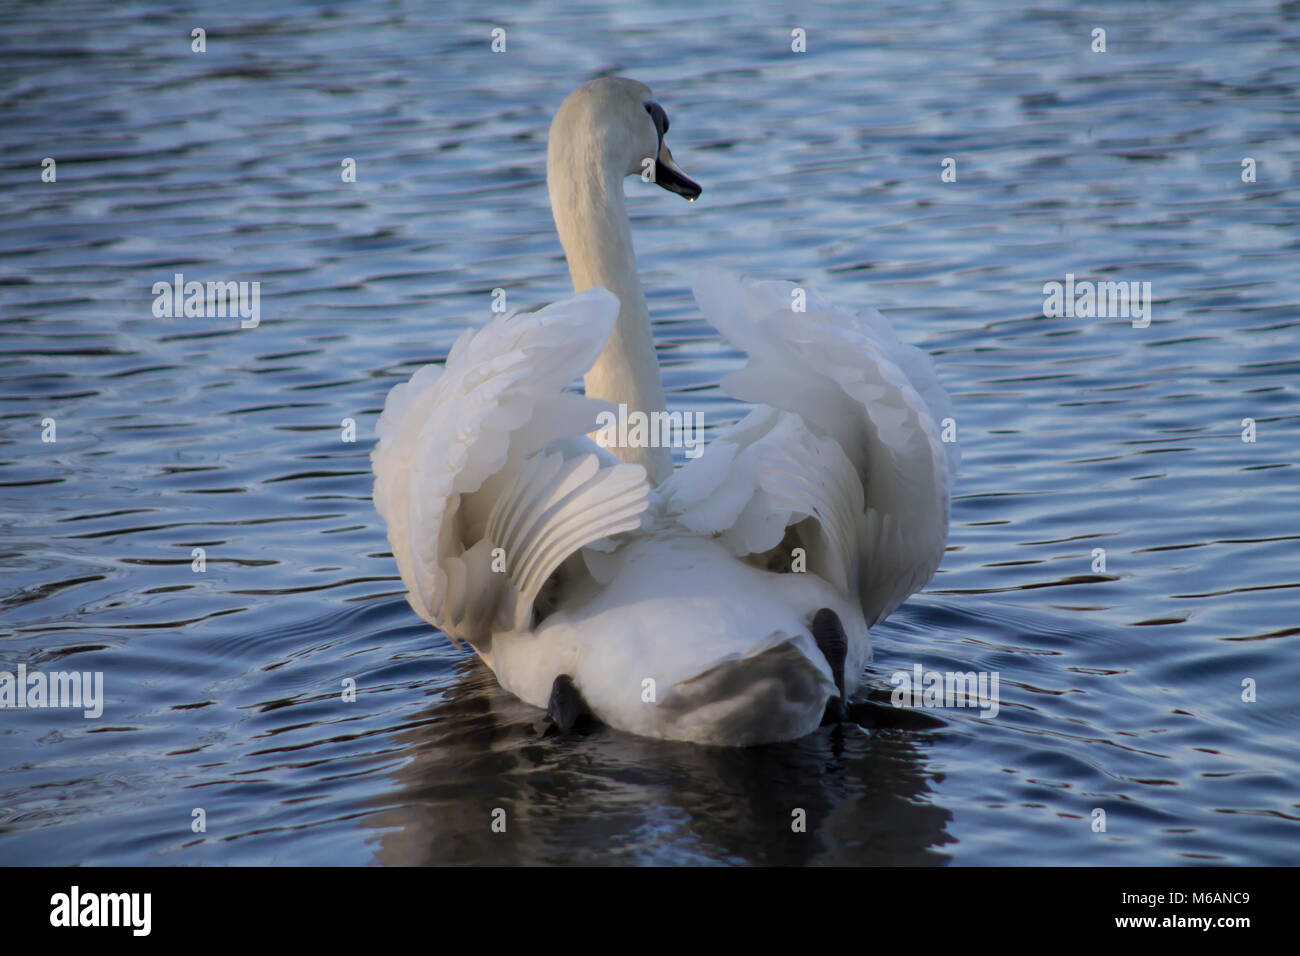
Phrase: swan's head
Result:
[614,125]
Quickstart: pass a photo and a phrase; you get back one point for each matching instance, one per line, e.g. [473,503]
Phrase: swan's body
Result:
[681,604]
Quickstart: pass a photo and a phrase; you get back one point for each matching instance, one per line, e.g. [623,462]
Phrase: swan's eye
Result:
[659,116]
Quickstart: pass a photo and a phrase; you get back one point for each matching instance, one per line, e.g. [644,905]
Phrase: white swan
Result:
[668,604]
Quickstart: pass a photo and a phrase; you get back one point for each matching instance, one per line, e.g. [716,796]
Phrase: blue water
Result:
[1121,690]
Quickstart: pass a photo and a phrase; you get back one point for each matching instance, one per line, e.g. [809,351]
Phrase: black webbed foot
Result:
[566,706]
[834,713]
[829,634]
[880,714]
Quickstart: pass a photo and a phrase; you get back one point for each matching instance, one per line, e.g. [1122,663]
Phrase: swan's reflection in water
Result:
[609,797]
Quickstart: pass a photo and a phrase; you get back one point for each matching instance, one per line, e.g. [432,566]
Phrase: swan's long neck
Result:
[591,218]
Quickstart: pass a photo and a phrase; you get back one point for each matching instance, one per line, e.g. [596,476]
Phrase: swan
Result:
[725,602]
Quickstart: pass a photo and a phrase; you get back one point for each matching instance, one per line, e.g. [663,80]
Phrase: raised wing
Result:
[482,473]
[843,458]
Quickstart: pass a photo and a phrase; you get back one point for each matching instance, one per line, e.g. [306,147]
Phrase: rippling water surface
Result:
[1121,689]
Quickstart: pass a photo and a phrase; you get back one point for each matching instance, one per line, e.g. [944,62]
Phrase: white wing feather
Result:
[487,452]
[847,433]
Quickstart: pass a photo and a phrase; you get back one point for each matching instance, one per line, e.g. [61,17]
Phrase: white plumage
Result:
[682,610]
